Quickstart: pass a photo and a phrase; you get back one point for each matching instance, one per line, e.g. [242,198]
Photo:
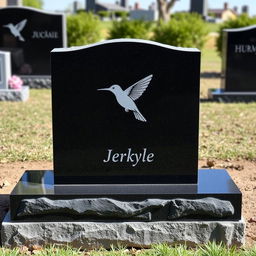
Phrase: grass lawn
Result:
[210,249]
[210,59]
[212,27]
[227,131]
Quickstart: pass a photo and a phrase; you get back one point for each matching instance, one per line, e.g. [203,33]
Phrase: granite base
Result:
[92,235]
[37,82]
[15,95]
[34,185]
[224,96]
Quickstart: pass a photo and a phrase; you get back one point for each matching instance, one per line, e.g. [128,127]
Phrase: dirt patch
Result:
[243,172]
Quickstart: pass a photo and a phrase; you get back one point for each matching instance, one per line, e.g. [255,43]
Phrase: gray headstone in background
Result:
[90,5]
[245,9]
[124,3]
[5,69]
[14,2]
[199,6]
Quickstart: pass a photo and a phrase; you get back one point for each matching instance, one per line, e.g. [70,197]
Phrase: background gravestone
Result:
[5,69]
[199,6]
[30,35]
[6,93]
[239,59]
[89,126]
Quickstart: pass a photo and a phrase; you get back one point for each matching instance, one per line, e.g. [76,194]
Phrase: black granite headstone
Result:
[30,35]
[125,111]
[239,59]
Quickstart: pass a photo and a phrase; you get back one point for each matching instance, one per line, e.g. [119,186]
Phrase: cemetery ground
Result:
[227,140]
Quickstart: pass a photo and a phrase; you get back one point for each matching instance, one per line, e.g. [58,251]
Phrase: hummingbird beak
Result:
[104,89]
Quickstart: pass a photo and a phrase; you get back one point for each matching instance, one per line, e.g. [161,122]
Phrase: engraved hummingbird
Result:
[16,29]
[127,97]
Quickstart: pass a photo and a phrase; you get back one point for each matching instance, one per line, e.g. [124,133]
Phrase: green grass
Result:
[227,131]
[210,60]
[25,128]
[212,27]
[210,249]
[105,28]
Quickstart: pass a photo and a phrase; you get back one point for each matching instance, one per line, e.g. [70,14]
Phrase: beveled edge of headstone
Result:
[62,14]
[125,40]
[240,29]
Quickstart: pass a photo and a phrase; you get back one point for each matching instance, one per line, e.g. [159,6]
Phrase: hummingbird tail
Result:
[139,116]
[21,38]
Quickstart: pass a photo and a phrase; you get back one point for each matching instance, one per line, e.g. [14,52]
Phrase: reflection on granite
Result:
[42,183]
[35,183]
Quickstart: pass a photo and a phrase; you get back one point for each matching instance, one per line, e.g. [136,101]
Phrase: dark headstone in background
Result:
[124,3]
[30,35]
[90,5]
[239,59]
[199,6]
[245,9]
[89,125]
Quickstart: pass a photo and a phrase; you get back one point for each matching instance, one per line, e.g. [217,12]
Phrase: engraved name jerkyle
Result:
[129,157]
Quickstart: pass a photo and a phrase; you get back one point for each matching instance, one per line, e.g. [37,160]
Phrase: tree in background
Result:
[83,28]
[164,8]
[33,3]
[184,29]
[130,29]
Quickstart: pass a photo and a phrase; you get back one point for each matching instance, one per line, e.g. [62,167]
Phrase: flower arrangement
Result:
[15,82]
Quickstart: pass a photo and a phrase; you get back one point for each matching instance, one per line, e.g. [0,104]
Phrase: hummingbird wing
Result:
[21,25]
[137,89]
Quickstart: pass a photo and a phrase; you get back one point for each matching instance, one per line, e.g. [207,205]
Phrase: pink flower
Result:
[15,82]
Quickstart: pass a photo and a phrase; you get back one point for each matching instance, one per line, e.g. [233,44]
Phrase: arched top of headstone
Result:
[125,40]
[240,29]
[31,9]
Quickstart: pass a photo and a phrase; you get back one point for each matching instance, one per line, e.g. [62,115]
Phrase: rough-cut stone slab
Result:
[38,82]
[106,208]
[209,207]
[15,95]
[4,207]
[88,235]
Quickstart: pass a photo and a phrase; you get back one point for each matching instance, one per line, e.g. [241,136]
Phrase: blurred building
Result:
[14,2]
[4,3]
[223,14]
[142,14]
[95,6]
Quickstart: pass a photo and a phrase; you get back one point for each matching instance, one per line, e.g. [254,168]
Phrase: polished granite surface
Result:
[95,141]
[42,183]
